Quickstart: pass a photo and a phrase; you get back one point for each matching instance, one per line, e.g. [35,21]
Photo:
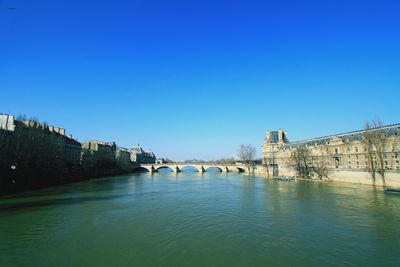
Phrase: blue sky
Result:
[195,79]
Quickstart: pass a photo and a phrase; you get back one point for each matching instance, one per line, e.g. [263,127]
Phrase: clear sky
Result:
[195,79]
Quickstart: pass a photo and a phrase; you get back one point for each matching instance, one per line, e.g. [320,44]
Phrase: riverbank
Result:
[353,176]
[19,182]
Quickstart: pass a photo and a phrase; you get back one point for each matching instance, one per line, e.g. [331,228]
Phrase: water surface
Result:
[191,219]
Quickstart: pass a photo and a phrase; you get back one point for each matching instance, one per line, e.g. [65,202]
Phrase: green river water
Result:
[191,219]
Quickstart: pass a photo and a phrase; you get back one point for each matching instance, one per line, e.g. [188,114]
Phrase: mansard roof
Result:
[390,130]
[274,137]
[137,149]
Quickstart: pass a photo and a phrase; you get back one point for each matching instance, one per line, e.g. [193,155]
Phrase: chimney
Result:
[280,136]
[268,137]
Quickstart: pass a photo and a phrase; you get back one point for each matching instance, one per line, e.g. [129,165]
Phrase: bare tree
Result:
[266,163]
[247,153]
[374,139]
[320,167]
[269,163]
[306,165]
[301,162]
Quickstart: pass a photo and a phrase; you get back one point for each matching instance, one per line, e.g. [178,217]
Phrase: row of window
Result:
[386,163]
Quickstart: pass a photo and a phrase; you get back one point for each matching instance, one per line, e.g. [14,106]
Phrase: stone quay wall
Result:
[392,177]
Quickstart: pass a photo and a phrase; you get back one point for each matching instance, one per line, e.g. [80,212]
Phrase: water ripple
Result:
[193,220]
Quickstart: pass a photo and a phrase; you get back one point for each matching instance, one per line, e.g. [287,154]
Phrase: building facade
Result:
[138,155]
[7,141]
[123,158]
[28,141]
[7,122]
[348,151]
[34,153]
[98,154]
[50,143]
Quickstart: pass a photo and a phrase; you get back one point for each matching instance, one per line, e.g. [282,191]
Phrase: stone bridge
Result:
[200,167]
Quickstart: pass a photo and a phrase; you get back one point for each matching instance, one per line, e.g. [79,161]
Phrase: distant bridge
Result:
[200,167]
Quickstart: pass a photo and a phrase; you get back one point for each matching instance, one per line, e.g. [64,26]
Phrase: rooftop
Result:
[390,130]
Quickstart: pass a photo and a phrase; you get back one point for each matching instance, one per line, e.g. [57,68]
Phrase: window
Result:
[356,149]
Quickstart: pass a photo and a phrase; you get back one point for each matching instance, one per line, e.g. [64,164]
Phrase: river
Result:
[192,219]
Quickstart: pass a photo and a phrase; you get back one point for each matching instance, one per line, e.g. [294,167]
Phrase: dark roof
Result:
[273,137]
[390,130]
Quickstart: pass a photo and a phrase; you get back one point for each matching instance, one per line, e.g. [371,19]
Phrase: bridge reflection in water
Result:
[199,167]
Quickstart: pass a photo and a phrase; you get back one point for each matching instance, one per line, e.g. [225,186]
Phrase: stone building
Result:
[138,155]
[7,141]
[97,154]
[162,160]
[72,151]
[108,148]
[7,122]
[51,142]
[343,153]
[25,142]
[123,157]
[33,153]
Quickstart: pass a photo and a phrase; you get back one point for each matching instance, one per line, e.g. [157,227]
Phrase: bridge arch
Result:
[237,169]
[241,169]
[165,167]
[142,169]
[211,168]
[188,168]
